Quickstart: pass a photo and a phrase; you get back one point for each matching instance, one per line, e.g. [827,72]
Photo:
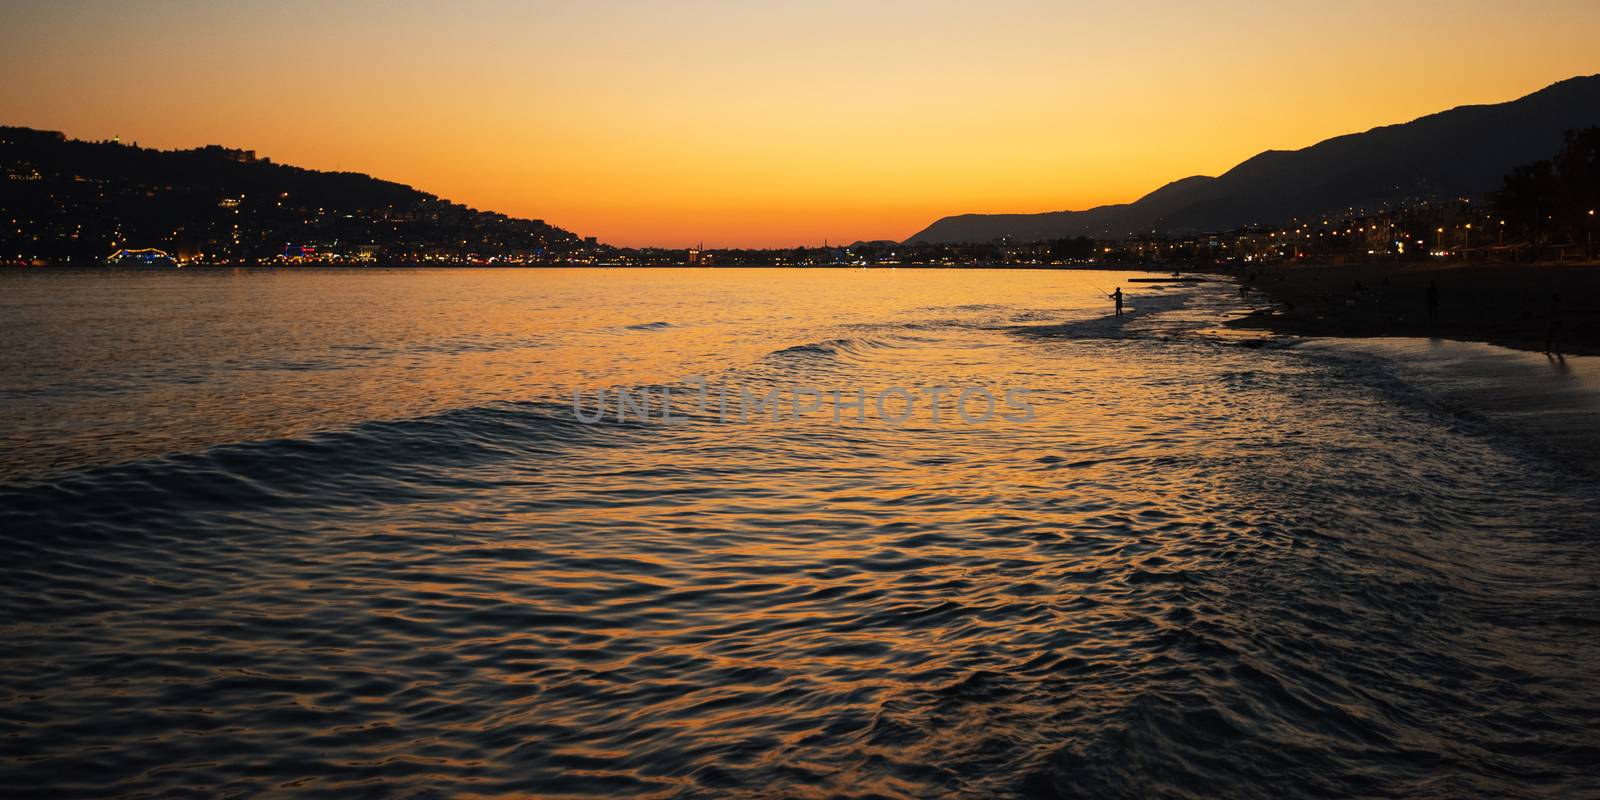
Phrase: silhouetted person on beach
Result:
[1554,329]
[1432,294]
[1117,296]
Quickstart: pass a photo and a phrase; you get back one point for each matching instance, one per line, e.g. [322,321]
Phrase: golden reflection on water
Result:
[145,364]
[1199,565]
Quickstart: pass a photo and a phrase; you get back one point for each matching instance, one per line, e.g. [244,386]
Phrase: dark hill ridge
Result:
[1461,152]
[77,202]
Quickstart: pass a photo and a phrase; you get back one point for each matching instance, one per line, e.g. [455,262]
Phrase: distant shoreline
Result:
[1158,269]
[1511,305]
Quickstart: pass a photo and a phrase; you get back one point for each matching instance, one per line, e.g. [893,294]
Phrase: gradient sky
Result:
[770,123]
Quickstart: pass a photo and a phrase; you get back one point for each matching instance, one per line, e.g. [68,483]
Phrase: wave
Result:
[435,457]
[853,349]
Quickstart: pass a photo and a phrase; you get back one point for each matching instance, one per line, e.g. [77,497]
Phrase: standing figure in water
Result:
[1117,296]
[1552,333]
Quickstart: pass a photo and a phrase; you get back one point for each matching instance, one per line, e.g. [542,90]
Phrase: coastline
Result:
[1480,359]
[1509,305]
[1536,403]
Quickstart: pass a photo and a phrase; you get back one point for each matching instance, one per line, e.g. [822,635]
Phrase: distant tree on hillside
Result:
[1078,247]
[1552,200]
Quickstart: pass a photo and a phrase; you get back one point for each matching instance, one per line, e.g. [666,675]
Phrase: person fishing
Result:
[1115,296]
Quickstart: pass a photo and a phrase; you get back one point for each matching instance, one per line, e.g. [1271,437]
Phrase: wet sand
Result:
[1546,404]
[1503,304]
[1481,356]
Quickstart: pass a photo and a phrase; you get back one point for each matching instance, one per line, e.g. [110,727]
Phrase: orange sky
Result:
[766,124]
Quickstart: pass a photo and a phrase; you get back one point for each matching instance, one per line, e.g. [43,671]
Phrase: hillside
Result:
[1462,152]
[77,202]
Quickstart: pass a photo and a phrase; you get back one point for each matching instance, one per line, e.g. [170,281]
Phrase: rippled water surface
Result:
[342,534]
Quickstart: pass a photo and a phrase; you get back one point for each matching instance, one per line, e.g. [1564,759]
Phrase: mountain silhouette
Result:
[76,202]
[1463,152]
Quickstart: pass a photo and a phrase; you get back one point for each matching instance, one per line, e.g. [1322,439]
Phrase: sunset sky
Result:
[766,124]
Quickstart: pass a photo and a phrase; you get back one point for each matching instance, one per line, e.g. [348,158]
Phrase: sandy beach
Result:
[1512,305]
